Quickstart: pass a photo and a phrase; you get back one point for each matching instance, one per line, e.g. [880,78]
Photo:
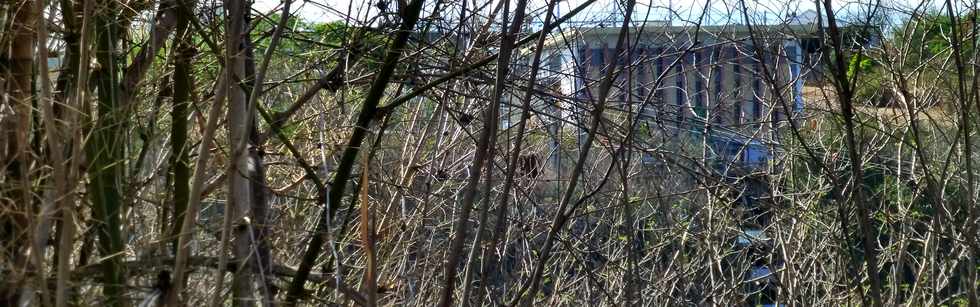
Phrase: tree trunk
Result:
[239,188]
[15,155]
[257,254]
[183,84]
[106,171]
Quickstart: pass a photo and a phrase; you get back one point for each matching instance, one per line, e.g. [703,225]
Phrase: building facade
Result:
[728,91]
[734,85]
[728,76]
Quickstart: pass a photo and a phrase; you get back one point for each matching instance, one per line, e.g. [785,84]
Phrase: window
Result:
[505,113]
[624,76]
[641,74]
[649,159]
[757,93]
[580,79]
[736,88]
[554,63]
[659,69]
[699,108]
[719,72]
[598,56]
[792,52]
[656,68]
[756,155]
[679,91]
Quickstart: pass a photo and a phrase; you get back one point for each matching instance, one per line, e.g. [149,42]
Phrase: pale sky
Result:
[720,11]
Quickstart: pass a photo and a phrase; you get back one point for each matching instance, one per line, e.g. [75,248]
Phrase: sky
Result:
[719,12]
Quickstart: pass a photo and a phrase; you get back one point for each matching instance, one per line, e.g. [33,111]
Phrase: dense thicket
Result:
[424,152]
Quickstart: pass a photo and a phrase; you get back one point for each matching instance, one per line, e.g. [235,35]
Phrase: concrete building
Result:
[733,85]
[728,89]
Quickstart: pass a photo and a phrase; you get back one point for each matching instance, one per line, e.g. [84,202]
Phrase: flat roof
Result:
[657,28]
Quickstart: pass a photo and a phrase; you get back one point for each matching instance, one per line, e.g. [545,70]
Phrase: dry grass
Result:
[821,100]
